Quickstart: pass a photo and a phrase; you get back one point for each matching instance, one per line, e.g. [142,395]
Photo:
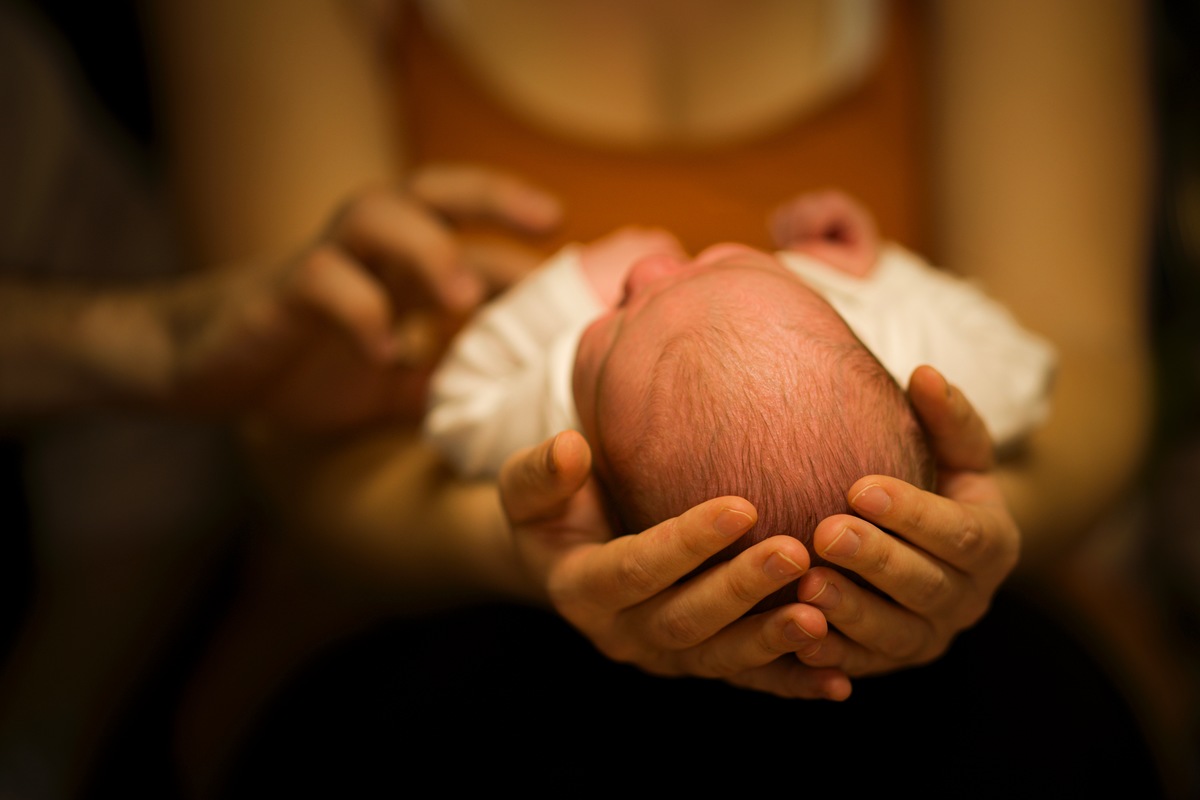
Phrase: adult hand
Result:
[347,331]
[627,594]
[943,560]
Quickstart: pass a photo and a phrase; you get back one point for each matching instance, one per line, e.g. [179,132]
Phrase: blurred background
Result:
[81,479]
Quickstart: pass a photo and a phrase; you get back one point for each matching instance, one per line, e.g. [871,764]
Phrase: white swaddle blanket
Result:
[506,381]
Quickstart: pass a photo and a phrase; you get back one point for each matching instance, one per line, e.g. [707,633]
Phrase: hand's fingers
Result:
[786,677]
[468,192]
[722,594]
[408,247]
[539,481]
[908,575]
[969,528]
[957,434]
[752,652]
[500,263]
[631,569]
[895,635]
[333,285]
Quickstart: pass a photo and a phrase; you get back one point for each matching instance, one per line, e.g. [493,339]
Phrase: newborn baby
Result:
[736,372]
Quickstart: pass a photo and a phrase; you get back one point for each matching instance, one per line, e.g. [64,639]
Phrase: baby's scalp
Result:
[762,392]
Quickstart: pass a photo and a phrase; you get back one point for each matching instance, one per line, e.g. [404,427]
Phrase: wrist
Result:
[69,347]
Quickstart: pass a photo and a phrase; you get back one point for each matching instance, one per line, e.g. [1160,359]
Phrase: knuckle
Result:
[319,260]
[771,639]
[360,207]
[636,575]
[710,664]
[971,542]
[874,560]
[819,654]
[816,656]
[679,630]
[907,647]
[743,589]
[917,515]
[683,530]
[622,651]
[850,611]
[930,591]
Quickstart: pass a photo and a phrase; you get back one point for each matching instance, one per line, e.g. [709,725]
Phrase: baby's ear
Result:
[831,227]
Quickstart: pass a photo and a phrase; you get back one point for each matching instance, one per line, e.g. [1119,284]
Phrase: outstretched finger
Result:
[412,251]
[463,191]
[334,286]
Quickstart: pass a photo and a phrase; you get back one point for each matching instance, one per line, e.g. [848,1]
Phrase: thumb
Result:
[539,482]
[957,434]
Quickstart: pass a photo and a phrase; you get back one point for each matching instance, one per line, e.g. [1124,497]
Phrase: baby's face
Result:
[663,296]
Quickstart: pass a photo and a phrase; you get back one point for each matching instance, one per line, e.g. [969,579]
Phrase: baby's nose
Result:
[648,269]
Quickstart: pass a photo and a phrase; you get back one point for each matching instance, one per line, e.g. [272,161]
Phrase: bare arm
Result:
[1042,182]
[69,347]
[382,512]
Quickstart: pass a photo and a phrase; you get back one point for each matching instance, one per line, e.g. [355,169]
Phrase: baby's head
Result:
[729,375]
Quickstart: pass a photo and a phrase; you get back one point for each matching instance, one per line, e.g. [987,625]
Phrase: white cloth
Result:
[506,381]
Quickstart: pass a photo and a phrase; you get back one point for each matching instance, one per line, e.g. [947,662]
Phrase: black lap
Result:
[502,696]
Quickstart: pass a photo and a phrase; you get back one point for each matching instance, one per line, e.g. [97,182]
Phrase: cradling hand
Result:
[938,559]
[347,331]
[626,596]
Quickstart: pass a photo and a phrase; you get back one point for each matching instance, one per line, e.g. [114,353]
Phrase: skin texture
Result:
[697,627]
[662,294]
[1075,136]
[710,363]
[1039,177]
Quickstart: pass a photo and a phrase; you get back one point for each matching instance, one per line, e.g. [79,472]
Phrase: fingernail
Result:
[794,633]
[945,385]
[780,567]
[731,522]
[844,546]
[872,500]
[826,598]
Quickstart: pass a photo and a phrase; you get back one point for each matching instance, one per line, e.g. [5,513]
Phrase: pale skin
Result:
[1054,232]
